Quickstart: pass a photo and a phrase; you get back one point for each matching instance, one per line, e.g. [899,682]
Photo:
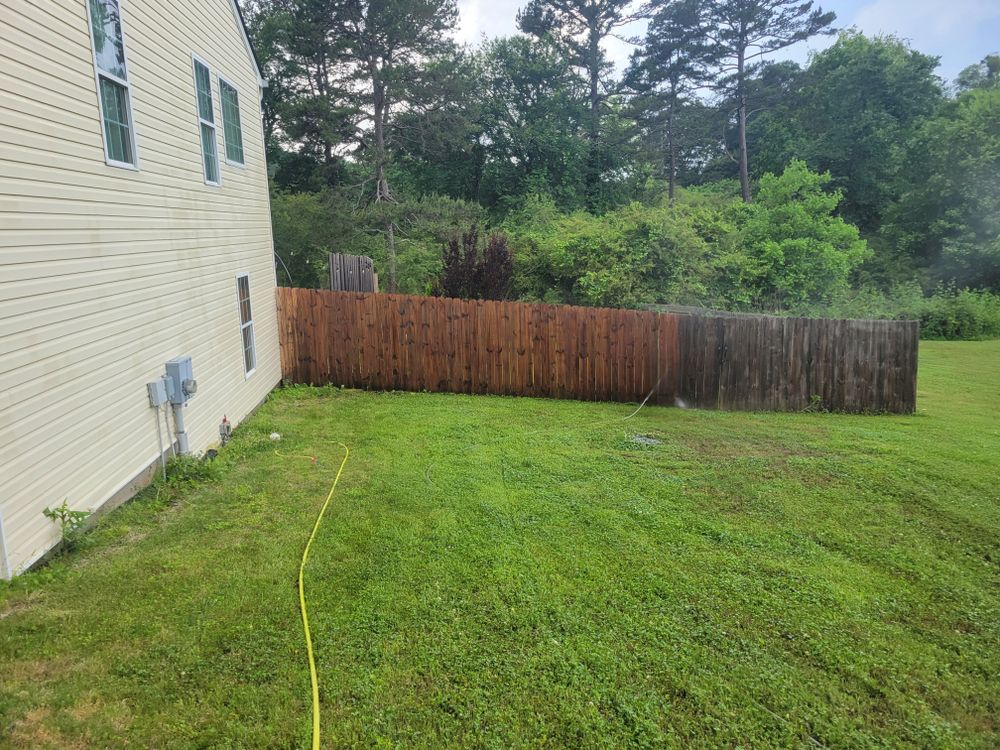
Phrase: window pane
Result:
[246,324]
[231,122]
[105,23]
[204,82]
[117,128]
[249,356]
[209,155]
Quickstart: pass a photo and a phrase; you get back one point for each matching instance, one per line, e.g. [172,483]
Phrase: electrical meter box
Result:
[181,385]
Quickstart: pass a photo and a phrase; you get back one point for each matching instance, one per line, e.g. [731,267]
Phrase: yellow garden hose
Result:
[302,598]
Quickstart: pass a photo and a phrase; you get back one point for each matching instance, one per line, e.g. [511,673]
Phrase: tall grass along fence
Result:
[403,342]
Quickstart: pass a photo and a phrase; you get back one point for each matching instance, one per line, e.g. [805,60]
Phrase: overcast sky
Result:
[960,32]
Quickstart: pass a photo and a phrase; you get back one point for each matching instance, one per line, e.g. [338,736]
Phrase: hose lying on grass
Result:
[302,594]
[305,556]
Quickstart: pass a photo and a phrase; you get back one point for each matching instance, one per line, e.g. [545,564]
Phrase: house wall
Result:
[105,273]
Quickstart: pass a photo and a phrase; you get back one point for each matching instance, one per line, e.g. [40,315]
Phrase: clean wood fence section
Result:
[390,341]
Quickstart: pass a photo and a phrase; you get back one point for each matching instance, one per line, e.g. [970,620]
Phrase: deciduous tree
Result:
[860,104]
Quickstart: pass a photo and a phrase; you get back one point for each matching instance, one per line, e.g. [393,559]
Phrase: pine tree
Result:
[388,42]
[672,63]
[742,33]
[577,27]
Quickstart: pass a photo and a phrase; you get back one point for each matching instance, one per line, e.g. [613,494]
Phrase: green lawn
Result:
[500,572]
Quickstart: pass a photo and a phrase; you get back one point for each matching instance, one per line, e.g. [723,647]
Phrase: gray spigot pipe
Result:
[181,433]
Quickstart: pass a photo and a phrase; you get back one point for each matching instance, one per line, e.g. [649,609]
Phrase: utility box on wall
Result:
[181,385]
[157,391]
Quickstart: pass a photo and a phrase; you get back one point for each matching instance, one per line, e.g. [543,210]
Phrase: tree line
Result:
[701,173]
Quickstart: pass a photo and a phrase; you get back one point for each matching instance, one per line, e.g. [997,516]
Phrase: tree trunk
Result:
[593,176]
[742,116]
[382,192]
[672,149]
[390,246]
[744,160]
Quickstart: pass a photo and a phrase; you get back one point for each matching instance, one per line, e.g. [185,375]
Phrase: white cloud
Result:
[961,32]
[468,29]
[927,20]
[479,18]
[494,18]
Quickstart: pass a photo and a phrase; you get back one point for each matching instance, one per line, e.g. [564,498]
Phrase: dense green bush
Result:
[792,249]
[785,253]
[948,313]
[965,314]
[306,227]
[632,255]
[706,248]
[309,226]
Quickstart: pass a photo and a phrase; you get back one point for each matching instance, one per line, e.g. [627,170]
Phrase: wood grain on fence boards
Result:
[393,341]
[352,273]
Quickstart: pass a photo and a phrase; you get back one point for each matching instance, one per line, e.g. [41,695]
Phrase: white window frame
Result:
[244,326]
[239,123]
[98,74]
[195,61]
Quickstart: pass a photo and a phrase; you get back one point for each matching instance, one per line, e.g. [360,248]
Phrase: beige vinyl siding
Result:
[106,273]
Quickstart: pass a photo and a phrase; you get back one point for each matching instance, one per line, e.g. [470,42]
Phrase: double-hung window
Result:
[230,99]
[246,324]
[112,83]
[206,122]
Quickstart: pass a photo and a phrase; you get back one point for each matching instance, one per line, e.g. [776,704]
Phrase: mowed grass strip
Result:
[500,572]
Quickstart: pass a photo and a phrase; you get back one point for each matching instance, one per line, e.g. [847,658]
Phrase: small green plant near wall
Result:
[70,521]
[184,473]
[188,471]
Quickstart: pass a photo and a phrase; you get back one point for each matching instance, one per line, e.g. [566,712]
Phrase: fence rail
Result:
[390,341]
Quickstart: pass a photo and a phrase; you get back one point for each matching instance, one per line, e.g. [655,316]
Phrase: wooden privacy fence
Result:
[402,342]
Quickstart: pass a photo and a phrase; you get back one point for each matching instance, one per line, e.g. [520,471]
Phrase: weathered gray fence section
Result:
[395,341]
[352,273]
[790,364]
